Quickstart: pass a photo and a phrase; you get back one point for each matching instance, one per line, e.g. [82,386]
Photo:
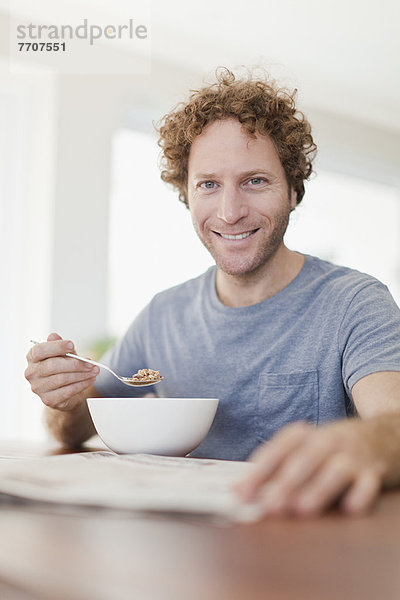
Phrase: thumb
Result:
[53,337]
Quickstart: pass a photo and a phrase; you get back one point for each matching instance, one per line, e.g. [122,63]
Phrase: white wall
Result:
[27,125]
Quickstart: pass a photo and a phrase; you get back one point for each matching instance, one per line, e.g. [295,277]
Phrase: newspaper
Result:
[138,482]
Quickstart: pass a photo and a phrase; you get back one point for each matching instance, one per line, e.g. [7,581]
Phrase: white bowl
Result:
[166,426]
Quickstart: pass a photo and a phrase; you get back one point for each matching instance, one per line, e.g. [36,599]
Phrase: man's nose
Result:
[232,206]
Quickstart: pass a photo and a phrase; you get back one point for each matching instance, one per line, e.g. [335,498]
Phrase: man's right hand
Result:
[59,381]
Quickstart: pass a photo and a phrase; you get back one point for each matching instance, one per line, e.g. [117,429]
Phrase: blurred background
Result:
[89,232]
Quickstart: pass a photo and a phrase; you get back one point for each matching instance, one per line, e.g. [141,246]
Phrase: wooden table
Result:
[98,555]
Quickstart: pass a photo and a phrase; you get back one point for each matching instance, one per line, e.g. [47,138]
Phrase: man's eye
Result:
[208,185]
[256,180]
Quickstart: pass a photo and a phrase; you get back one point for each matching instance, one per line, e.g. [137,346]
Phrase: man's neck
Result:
[245,290]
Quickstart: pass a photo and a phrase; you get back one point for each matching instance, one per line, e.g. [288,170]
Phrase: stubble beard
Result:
[250,264]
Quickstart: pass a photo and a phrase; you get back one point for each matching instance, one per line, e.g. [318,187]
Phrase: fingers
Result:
[60,380]
[51,360]
[299,452]
[329,483]
[302,471]
[54,365]
[363,494]
[67,397]
[269,457]
[48,349]
[343,478]
[56,378]
[53,336]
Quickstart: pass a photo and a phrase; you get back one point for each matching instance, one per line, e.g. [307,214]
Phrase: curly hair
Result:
[259,105]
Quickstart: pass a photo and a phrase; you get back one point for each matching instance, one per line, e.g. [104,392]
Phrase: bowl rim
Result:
[149,399]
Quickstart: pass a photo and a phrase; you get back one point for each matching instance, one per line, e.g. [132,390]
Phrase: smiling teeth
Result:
[241,236]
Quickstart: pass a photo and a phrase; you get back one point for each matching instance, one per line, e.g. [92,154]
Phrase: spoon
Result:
[125,380]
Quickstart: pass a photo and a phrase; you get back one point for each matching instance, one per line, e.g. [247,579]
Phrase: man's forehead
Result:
[227,142]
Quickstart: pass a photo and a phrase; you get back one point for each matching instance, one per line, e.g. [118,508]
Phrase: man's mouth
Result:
[237,236]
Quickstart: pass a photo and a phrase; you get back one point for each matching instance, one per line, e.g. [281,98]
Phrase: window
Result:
[351,222]
[152,243]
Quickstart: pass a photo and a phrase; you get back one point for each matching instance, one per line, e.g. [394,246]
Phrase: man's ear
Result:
[293,198]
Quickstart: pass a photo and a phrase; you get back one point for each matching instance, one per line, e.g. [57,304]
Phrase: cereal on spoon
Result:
[145,376]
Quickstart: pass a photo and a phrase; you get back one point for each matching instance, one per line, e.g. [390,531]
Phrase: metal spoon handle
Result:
[92,362]
[125,380]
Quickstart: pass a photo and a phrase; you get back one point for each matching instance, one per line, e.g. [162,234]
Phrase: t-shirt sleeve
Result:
[125,358]
[369,334]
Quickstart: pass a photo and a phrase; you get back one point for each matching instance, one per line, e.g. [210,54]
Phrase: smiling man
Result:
[303,355]
[240,203]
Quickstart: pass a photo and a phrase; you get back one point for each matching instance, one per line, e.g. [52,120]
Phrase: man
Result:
[285,341]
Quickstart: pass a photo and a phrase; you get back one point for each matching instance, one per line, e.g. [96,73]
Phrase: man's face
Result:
[238,196]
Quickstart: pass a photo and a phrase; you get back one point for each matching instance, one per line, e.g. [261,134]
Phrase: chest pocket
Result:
[284,398]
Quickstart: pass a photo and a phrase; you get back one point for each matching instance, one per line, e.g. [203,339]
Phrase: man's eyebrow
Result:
[204,175]
[240,175]
[254,172]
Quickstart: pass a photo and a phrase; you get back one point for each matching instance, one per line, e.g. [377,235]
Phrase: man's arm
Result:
[72,427]
[304,469]
[377,394]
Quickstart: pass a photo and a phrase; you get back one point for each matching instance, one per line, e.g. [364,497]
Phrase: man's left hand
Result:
[303,470]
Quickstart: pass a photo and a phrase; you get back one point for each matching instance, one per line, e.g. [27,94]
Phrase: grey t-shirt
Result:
[293,357]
